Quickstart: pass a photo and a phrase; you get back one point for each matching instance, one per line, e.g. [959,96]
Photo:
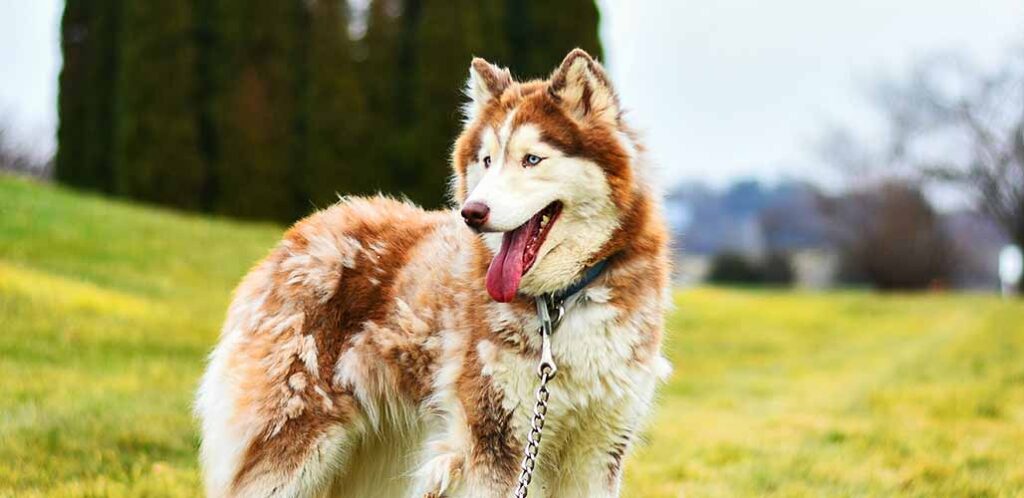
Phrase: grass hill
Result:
[108,309]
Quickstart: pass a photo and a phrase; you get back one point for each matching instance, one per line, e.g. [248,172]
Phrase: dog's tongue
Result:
[506,268]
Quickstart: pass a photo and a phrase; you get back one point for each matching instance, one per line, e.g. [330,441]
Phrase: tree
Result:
[334,111]
[158,155]
[954,123]
[541,33]
[729,268]
[890,237]
[85,136]
[257,115]
[74,88]
[382,82]
[447,35]
[209,77]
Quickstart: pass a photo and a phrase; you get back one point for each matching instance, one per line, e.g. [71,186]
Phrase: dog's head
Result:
[544,172]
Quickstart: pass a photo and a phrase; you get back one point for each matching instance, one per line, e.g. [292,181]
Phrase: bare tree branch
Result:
[953,123]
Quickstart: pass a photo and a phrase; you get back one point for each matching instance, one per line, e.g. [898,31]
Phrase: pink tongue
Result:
[506,268]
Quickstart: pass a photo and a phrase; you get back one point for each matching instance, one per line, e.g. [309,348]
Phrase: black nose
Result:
[474,213]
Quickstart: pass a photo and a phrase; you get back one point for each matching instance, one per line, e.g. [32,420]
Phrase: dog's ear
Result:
[582,87]
[486,82]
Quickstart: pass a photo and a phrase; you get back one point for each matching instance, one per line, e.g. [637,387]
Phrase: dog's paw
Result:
[440,473]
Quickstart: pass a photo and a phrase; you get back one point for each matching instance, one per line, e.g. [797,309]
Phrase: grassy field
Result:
[107,310]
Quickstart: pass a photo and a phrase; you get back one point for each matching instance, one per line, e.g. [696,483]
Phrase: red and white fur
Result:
[379,351]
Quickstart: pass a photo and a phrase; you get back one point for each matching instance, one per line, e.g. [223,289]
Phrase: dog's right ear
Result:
[582,87]
[486,82]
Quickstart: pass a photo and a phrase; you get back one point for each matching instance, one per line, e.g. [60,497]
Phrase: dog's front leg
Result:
[475,454]
[441,472]
[591,467]
[466,463]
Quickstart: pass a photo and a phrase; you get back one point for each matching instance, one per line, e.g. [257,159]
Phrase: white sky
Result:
[722,88]
[29,65]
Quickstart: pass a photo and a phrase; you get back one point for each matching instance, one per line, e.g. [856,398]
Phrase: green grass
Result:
[107,310]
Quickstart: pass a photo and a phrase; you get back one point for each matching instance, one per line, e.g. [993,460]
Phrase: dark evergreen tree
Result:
[209,75]
[541,33]
[257,115]
[85,136]
[158,156]
[76,46]
[448,34]
[376,56]
[334,111]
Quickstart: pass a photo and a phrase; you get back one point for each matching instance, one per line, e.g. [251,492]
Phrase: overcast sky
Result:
[723,89]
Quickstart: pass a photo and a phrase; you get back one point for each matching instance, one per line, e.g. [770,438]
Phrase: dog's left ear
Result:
[486,82]
[582,87]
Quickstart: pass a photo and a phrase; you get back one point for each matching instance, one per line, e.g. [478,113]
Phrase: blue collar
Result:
[589,276]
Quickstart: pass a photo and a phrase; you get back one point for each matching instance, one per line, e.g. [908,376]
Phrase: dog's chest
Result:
[595,350]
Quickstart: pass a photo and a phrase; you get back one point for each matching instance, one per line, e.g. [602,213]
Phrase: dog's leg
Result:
[294,469]
[440,475]
[591,466]
[474,456]
[296,459]
[444,457]
[592,462]
[270,449]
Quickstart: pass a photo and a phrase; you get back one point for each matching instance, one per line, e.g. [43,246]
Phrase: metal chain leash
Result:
[546,370]
[540,411]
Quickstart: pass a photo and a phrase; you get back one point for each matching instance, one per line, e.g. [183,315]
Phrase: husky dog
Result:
[384,351]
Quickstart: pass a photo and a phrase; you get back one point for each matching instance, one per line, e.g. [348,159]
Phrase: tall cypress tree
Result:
[376,57]
[256,108]
[334,111]
[539,35]
[85,136]
[208,75]
[448,34]
[158,155]
[76,46]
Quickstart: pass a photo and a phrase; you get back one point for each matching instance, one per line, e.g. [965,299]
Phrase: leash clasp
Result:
[545,306]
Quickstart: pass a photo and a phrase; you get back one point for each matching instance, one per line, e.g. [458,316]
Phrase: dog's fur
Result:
[364,357]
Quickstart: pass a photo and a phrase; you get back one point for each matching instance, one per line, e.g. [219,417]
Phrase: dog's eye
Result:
[487,162]
[531,160]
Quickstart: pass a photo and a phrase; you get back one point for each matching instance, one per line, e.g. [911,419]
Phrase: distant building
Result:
[815,268]
[752,221]
[692,270]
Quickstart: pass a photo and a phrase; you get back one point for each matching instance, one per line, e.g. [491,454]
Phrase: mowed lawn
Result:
[107,311]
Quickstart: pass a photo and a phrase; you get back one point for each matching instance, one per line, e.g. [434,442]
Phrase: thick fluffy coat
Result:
[381,350]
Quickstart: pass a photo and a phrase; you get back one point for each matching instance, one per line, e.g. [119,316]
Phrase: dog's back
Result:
[277,390]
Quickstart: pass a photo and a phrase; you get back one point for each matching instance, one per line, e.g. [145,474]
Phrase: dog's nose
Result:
[474,213]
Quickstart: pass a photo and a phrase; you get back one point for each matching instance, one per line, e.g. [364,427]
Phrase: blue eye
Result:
[531,160]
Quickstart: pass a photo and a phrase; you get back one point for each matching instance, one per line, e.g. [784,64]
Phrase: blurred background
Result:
[799,144]
[811,155]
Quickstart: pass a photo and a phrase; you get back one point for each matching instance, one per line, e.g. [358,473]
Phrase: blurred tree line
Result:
[268,108]
[949,124]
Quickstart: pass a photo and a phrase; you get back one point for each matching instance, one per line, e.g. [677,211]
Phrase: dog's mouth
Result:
[518,253]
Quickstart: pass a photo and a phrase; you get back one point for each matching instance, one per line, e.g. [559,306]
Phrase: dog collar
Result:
[589,276]
[551,310]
